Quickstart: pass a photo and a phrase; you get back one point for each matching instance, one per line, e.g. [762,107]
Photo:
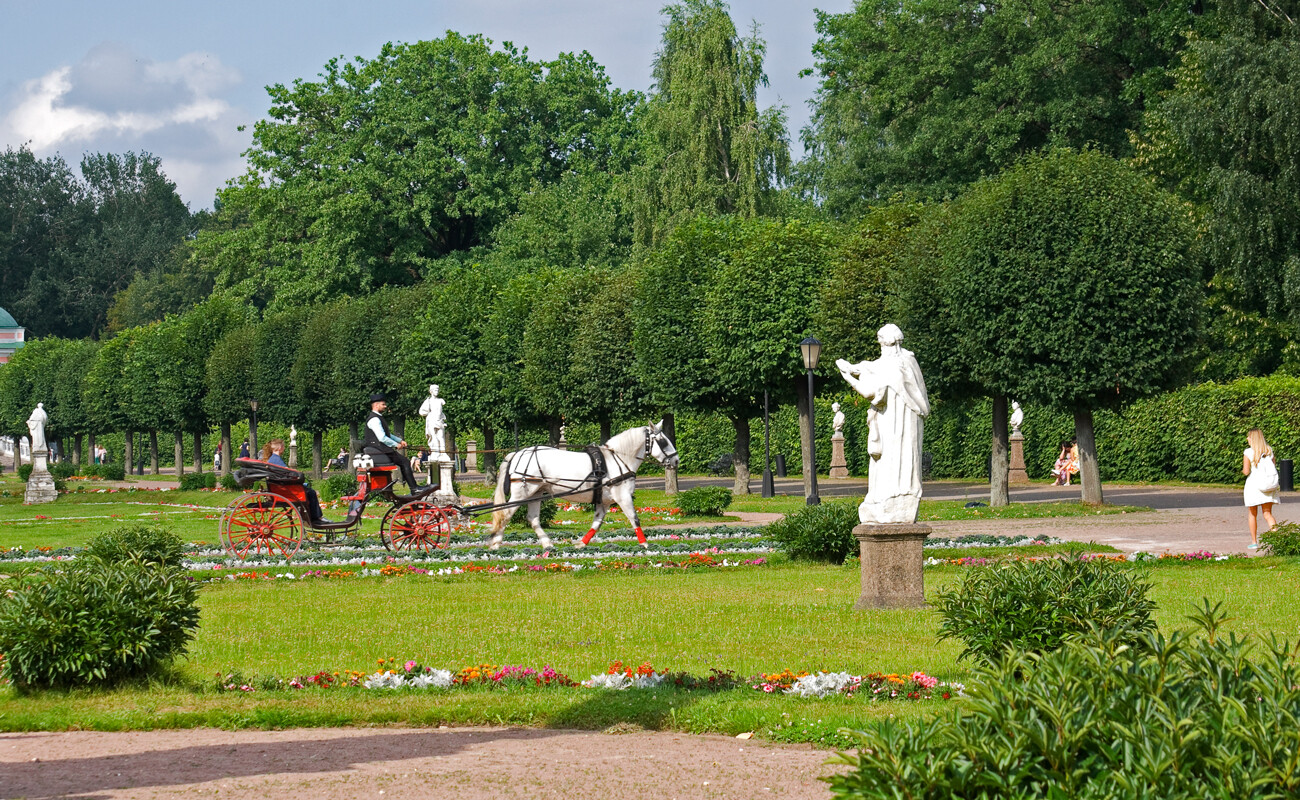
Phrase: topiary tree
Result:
[1065,282]
[602,363]
[547,375]
[106,395]
[69,389]
[229,380]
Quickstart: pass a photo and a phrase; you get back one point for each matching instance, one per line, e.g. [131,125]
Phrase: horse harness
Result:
[599,476]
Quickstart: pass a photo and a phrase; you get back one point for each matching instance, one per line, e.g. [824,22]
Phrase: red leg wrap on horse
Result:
[640,537]
[587,539]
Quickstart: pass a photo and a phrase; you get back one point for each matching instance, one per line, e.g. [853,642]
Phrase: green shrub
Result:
[704,501]
[228,483]
[146,543]
[63,470]
[1283,540]
[198,480]
[95,622]
[1034,606]
[546,515]
[24,472]
[340,484]
[819,533]
[108,472]
[1189,716]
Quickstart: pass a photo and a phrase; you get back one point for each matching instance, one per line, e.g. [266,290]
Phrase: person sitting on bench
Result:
[273,453]
[381,445]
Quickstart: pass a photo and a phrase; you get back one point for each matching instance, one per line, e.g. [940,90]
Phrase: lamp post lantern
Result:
[811,350]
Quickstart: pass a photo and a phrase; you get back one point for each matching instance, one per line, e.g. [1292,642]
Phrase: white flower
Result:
[822,684]
[385,680]
[619,681]
[438,678]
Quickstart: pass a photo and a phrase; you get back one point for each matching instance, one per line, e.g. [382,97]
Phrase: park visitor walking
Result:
[1261,483]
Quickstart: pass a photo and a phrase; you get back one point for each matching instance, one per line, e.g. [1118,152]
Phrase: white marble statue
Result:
[36,425]
[837,422]
[899,404]
[1017,418]
[435,426]
[293,436]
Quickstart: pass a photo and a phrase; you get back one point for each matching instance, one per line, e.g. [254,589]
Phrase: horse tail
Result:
[502,515]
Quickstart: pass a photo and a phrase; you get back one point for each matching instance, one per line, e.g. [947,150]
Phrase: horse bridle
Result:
[663,441]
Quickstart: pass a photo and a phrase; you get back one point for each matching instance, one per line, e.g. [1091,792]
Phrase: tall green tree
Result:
[708,148]
[1066,283]
[106,396]
[602,362]
[547,374]
[230,381]
[929,95]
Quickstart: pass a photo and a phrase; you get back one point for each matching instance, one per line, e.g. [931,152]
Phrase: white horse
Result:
[534,471]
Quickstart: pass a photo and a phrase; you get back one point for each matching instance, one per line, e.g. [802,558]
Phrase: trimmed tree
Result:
[229,380]
[1066,283]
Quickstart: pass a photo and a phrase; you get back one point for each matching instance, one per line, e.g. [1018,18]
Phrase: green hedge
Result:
[1194,434]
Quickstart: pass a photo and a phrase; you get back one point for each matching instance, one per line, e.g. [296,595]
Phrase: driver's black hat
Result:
[378,397]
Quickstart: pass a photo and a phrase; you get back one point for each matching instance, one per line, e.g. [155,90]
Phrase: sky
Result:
[178,79]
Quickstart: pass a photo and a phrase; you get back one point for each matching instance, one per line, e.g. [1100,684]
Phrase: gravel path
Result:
[396,763]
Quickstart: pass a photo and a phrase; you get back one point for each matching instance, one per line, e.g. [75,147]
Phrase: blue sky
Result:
[178,78]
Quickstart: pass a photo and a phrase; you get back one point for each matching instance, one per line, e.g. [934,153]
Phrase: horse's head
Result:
[659,446]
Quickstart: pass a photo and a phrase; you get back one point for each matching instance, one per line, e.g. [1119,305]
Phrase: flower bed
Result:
[694,561]
[411,674]
[1199,557]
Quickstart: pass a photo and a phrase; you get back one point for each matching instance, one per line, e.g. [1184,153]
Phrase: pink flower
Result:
[410,665]
[924,680]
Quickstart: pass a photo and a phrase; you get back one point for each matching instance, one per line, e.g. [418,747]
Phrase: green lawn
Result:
[748,620]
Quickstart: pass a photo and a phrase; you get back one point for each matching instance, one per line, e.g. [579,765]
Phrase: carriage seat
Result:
[250,471]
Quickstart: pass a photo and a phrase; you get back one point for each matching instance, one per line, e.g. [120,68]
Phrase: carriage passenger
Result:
[273,453]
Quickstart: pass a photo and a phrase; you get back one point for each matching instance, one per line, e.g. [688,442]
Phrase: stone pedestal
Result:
[892,564]
[563,445]
[471,456]
[1017,476]
[40,486]
[293,456]
[839,466]
[445,493]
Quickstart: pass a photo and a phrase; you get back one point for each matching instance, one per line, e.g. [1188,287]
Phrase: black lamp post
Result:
[811,350]
[252,430]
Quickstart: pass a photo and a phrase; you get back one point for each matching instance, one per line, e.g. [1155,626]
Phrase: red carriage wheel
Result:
[258,523]
[416,526]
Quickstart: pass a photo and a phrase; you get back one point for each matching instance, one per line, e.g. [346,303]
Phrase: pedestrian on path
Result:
[1261,483]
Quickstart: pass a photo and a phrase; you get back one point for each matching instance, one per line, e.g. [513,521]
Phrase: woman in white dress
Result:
[1261,483]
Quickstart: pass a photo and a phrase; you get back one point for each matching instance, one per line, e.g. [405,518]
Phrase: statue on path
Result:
[435,425]
[36,426]
[899,403]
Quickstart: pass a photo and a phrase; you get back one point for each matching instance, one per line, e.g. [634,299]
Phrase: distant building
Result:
[11,336]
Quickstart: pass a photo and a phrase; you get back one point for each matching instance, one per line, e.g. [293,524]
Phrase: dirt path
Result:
[396,763]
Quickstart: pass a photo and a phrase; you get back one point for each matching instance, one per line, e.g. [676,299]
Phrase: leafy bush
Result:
[1283,540]
[546,515]
[819,533]
[108,472]
[704,501]
[63,470]
[145,543]
[228,483]
[198,480]
[337,485]
[1192,715]
[96,622]
[1034,606]
[24,472]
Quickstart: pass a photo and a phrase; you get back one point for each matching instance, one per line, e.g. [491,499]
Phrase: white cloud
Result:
[115,100]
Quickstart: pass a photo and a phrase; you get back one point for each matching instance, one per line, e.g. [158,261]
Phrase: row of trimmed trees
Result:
[1064,283]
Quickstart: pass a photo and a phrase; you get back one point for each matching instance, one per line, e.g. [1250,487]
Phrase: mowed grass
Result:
[755,620]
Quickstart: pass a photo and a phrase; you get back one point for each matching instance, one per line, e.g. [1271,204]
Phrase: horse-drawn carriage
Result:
[276,520]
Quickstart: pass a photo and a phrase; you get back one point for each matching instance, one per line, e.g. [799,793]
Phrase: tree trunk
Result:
[252,437]
[153,452]
[670,473]
[225,449]
[399,428]
[554,423]
[180,454]
[90,445]
[354,447]
[1089,474]
[604,431]
[317,456]
[740,457]
[1000,466]
[198,452]
[807,438]
[490,445]
[129,457]
[76,449]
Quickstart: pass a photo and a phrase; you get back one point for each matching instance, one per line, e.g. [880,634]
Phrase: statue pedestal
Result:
[471,456]
[293,455]
[40,486]
[892,564]
[1017,476]
[445,493]
[839,466]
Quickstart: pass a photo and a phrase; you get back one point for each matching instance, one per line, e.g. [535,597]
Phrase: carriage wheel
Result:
[259,523]
[416,526]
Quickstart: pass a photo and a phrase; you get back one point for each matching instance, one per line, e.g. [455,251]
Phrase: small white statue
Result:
[837,422]
[293,436]
[899,404]
[1017,418]
[36,426]
[435,426]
